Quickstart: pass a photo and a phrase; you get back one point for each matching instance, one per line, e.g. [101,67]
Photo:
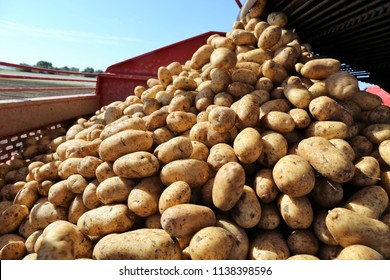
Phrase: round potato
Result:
[248,145]
[297,212]
[268,245]
[177,193]
[247,211]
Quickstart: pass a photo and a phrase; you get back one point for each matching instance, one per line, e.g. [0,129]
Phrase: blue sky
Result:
[97,34]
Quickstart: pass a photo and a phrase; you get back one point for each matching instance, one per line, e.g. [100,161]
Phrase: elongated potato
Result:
[186,219]
[268,245]
[278,121]
[348,228]
[359,252]
[136,165]
[201,56]
[106,219]
[320,68]
[275,146]
[12,217]
[247,211]
[297,212]
[140,244]
[124,142]
[299,96]
[223,58]
[341,85]
[367,172]
[228,185]
[326,159]
[114,190]
[177,193]
[176,148]
[248,145]
[327,129]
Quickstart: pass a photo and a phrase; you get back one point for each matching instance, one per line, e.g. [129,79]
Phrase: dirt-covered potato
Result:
[136,165]
[176,148]
[268,245]
[247,211]
[221,154]
[320,68]
[341,85]
[177,193]
[297,212]
[223,58]
[114,189]
[359,252]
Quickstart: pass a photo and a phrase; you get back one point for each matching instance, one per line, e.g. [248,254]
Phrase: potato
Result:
[199,151]
[28,195]
[223,58]
[87,166]
[248,145]
[380,114]
[281,105]
[326,194]
[136,165]
[76,209]
[367,172]
[90,198]
[106,219]
[68,167]
[297,212]
[14,250]
[341,85]
[277,18]
[344,146]
[270,217]
[278,121]
[156,119]
[211,243]
[222,119]
[294,176]
[176,148]
[12,217]
[303,257]
[179,122]
[300,117]
[186,219]
[274,148]
[367,101]
[240,246]
[76,183]
[114,189]
[184,83]
[327,129]
[126,122]
[228,185]
[384,151]
[60,195]
[239,89]
[247,211]
[303,241]
[320,68]
[329,252]
[201,56]
[177,193]
[359,252]
[31,240]
[274,71]
[139,244]
[268,245]
[247,111]
[178,171]
[104,171]
[326,159]
[44,213]
[48,171]
[124,142]
[377,133]
[269,37]
[222,42]
[144,197]
[219,155]
[242,37]
[348,228]
[220,80]
[370,201]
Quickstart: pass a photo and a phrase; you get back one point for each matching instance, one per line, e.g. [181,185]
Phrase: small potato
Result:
[303,241]
[220,80]
[177,193]
[219,155]
[297,212]
[86,167]
[179,122]
[222,42]
[60,195]
[300,117]
[344,146]
[222,119]
[185,83]
[269,37]
[361,146]
[248,145]
[68,167]
[76,183]
[156,119]
[377,133]
[45,213]
[176,148]
[294,176]
[186,219]
[245,76]
[106,219]
[321,230]
[239,89]
[268,245]
[281,105]
[104,171]
[247,111]
[369,201]
[201,56]
[28,194]
[367,172]
[278,121]
[223,58]
[31,240]
[144,197]
[326,194]
[164,76]
[121,124]
[274,148]
[286,56]
[384,151]
[199,151]
[367,101]
[320,68]
[48,171]
[90,198]
[359,252]
[136,165]
[277,18]
[299,96]
[114,190]
[274,71]
[15,250]
[324,108]
[178,171]
[257,55]
[139,244]
[211,243]
[341,85]
[265,186]
[228,185]
[242,37]
[247,211]
[12,217]
[76,209]
[270,217]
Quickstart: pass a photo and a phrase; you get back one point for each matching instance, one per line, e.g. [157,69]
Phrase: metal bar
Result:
[43,78]
[45,89]
[45,69]
[239,4]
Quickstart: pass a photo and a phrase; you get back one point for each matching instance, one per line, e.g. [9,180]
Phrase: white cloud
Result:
[8,28]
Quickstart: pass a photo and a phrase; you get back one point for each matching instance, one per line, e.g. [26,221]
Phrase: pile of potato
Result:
[253,149]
